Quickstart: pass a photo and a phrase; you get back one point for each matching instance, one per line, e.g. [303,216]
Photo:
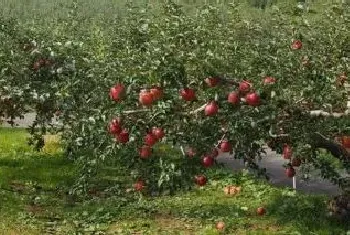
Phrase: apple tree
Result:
[155,97]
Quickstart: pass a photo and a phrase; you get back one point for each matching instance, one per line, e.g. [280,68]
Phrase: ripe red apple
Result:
[269,80]
[220,226]
[191,152]
[116,92]
[200,180]
[296,44]
[123,137]
[233,98]
[261,211]
[145,152]
[346,141]
[150,139]
[139,185]
[156,93]
[115,127]
[211,108]
[158,132]
[244,86]
[252,99]
[145,98]
[214,153]
[212,81]
[296,161]
[287,151]
[188,94]
[207,161]
[225,146]
[290,172]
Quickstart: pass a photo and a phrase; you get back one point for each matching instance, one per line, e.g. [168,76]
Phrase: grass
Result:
[46,10]
[33,201]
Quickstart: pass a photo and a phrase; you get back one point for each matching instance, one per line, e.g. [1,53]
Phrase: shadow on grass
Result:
[306,213]
[48,171]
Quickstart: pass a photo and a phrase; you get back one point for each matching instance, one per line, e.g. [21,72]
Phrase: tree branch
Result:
[222,138]
[326,114]
[337,150]
[136,111]
[200,109]
[276,136]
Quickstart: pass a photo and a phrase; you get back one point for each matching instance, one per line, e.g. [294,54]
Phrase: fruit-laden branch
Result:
[320,141]
[337,150]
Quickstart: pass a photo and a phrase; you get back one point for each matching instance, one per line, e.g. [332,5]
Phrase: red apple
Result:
[145,152]
[296,161]
[269,80]
[207,161]
[145,98]
[211,82]
[188,94]
[123,137]
[252,99]
[139,185]
[116,92]
[346,141]
[211,108]
[150,139]
[200,180]
[287,151]
[225,146]
[244,86]
[158,132]
[296,44]
[114,127]
[156,93]
[261,211]
[233,98]
[290,172]
[220,226]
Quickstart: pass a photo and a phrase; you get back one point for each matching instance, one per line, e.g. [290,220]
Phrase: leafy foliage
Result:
[70,69]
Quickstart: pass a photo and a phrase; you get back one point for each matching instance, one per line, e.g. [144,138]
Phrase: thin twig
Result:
[136,111]
[222,138]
